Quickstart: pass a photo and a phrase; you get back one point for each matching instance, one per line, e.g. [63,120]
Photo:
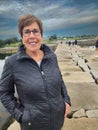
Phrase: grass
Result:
[13,44]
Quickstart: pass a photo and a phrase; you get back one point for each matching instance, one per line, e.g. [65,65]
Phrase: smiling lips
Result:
[32,43]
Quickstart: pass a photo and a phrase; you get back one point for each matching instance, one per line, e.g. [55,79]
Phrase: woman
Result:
[96,45]
[42,101]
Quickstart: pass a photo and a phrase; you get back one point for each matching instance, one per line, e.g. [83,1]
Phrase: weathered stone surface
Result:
[80,113]
[14,126]
[92,113]
[77,77]
[93,58]
[83,95]
[95,75]
[5,118]
[93,65]
[81,124]
[69,68]
[70,63]
[83,65]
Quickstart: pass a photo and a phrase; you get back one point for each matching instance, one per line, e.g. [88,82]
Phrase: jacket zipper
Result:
[45,86]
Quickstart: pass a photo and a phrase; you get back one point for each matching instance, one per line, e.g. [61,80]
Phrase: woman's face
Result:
[32,38]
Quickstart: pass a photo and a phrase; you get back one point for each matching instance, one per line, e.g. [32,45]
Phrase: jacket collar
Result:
[48,53]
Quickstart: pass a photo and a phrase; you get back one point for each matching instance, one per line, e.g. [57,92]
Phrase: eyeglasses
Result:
[27,32]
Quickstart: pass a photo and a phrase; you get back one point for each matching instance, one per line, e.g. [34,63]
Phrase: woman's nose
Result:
[32,34]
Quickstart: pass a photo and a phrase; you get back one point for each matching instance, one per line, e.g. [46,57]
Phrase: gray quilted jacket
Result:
[41,91]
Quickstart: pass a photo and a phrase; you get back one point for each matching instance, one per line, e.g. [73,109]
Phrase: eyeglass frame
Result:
[27,32]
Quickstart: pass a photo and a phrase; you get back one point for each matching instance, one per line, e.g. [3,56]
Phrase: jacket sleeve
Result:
[7,92]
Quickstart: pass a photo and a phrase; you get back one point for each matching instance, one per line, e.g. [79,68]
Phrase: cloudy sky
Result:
[61,17]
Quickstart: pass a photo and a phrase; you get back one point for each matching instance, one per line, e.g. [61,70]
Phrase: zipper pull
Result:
[42,72]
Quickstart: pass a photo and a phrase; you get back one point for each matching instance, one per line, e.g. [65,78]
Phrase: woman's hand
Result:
[67,111]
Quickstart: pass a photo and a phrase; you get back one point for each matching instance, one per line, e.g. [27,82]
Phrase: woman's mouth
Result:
[32,43]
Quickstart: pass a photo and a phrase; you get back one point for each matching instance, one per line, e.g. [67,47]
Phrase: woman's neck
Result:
[36,55]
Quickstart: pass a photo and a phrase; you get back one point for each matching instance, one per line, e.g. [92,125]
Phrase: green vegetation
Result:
[11,42]
[15,42]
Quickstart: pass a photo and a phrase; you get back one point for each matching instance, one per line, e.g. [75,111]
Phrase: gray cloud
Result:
[55,15]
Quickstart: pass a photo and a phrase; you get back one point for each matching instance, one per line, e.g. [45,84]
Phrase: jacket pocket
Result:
[26,117]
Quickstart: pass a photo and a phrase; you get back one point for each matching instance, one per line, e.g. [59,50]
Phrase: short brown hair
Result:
[26,20]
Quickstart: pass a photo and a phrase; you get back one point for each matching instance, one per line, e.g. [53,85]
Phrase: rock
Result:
[5,118]
[83,65]
[77,77]
[81,124]
[83,95]
[95,75]
[14,126]
[79,114]
[92,113]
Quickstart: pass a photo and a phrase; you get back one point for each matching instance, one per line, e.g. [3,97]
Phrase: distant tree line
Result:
[84,36]
[8,41]
[52,37]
